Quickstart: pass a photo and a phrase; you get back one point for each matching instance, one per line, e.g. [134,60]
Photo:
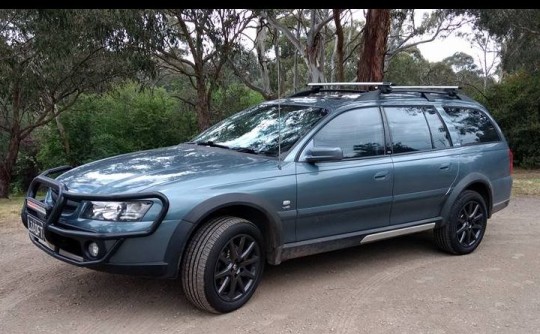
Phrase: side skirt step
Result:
[395,233]
[327,244]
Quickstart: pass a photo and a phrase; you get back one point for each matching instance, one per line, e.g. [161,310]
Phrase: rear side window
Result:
[471,125]
[409,129]
[359,133]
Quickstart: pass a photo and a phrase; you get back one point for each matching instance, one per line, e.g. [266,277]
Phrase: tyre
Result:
[223,264]
[466,224]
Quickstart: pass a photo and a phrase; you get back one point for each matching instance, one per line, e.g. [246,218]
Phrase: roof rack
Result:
[383,88]
[347,83]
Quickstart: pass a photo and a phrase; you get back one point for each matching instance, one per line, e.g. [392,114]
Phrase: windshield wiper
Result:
[212,144]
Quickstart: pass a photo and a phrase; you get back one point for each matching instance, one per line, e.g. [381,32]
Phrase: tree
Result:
[124,119]
[257,78]
[514,104]
[518,32]
[488,59]
[312,49]
[467,74]
[407,68]
[339,48]
[461,61]
[196,43]
[406,32]
[48,58]
[371,60]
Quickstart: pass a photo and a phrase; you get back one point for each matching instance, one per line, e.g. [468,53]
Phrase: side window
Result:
[409,129]
[472,125]
[439,134]
[359,133]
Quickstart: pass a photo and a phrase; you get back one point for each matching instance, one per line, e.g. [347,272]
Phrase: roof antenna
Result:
[279,105]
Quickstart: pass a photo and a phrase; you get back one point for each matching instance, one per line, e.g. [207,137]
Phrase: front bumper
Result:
[70,243]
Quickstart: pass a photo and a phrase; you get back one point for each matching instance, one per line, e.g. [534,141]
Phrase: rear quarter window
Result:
[471,126]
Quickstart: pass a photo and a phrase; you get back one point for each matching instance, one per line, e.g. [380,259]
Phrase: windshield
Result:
[257,130]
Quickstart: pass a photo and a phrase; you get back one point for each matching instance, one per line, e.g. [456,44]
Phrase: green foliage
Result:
[230,99]
[48,57]
[26,167]
[410,68]
[407,68]
[123,120]
[515,104]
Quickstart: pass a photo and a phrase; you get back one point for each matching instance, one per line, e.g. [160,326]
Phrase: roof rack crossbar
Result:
[451,91]
[345,83]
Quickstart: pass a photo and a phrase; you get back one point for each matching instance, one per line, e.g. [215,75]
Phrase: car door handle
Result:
[381,175]
[445,166]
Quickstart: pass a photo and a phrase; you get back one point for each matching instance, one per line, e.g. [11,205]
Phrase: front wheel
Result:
[466,224]
[223,264]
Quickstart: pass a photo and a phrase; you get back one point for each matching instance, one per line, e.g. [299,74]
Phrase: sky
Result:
[442,48]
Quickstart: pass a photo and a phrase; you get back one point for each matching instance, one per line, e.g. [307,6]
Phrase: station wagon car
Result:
[320,170]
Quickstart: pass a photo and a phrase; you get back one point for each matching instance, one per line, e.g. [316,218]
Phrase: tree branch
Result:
[184,100]
[321,24]
[249,83]
[286,32]
[43,119]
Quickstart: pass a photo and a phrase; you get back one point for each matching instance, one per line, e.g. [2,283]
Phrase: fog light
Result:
[93,249]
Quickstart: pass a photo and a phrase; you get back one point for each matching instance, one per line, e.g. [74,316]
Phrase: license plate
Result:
[36,227]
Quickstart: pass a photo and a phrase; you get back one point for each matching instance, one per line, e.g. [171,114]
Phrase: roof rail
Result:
[319,87]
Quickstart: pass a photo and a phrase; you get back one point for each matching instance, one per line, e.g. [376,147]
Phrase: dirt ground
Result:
[402,285]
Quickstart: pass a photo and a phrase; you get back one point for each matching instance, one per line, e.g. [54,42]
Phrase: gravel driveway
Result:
[402,285]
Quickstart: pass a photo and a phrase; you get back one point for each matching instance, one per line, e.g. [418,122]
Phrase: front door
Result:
[353,194]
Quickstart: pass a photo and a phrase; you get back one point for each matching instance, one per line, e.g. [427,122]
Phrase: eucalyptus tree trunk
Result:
[339,46]
[6,166]
[371,61]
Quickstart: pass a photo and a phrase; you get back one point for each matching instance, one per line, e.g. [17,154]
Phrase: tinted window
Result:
[359,133]
[471,125]
[409,129]
[439,134]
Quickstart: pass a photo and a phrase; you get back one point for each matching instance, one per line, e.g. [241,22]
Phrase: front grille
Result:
[69,207]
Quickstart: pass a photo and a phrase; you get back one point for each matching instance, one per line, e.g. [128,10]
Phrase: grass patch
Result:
[526,182]
[10,209]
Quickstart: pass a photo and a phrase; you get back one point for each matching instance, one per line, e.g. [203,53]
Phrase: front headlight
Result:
[116,211]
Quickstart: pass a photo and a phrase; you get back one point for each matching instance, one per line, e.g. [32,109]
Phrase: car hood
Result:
[137,171]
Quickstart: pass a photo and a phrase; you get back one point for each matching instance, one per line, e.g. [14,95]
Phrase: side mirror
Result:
[316,154]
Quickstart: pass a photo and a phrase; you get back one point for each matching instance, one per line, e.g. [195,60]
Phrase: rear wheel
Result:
[223,264]
[466,224]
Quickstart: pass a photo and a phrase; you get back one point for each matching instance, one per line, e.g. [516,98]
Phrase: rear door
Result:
[424,165]
[353,194]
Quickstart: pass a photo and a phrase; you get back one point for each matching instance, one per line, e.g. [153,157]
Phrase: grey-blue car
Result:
[320,170]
